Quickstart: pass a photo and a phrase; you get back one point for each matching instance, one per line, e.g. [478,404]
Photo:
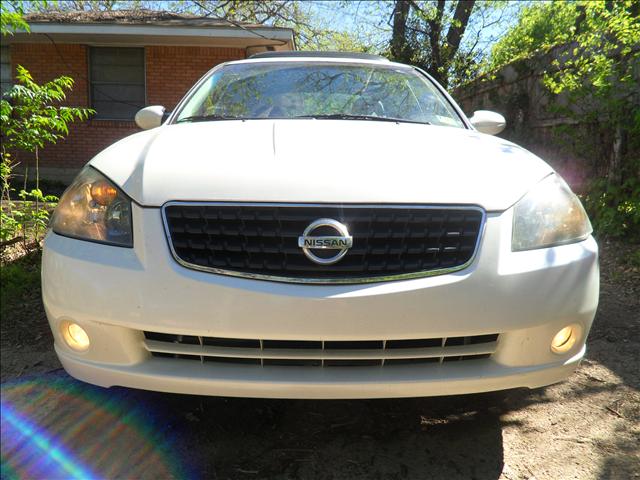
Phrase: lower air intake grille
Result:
[320,353]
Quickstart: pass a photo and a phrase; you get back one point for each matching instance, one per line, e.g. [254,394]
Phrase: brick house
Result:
[122,61]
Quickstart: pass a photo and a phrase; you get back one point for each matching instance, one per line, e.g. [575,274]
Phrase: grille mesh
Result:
[320,353]
[259,240]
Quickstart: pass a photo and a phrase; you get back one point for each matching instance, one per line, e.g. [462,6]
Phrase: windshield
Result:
[318,90]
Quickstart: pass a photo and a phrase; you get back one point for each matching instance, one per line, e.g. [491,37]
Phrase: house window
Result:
[117,82]
[5,78]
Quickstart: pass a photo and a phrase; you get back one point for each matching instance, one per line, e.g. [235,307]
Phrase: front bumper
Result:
[302,382]
[117,293]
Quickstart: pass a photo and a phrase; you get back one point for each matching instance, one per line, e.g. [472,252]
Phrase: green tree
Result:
[600,72]
[296,14]
[593,49]
[293,14]
[30,118]
[429,34]
[539,27]
[445,38]
[595,62]
[11,18]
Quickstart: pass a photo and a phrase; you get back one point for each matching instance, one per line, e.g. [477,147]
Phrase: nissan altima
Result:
[307,225]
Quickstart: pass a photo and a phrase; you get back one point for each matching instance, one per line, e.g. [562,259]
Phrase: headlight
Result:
[550,214]
[94,209]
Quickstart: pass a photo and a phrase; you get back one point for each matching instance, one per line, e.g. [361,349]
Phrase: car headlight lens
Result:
[550,214]
[94,209]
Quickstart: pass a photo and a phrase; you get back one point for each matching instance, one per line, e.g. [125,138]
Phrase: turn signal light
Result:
[103,193]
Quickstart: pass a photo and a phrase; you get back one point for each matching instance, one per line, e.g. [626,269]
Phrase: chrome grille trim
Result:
[329,281]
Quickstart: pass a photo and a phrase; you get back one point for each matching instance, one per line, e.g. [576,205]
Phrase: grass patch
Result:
[18,280]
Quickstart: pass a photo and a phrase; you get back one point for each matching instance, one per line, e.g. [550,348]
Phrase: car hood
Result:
[324,161]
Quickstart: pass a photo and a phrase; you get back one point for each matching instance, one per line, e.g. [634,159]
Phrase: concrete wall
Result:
[535,119]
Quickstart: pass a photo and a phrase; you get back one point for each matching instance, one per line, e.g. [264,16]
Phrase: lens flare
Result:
[56,427]
[45,458]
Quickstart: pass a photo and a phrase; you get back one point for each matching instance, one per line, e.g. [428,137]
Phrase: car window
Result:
[320,89]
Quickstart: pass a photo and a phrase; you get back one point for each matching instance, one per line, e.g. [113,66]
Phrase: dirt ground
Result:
[585,428]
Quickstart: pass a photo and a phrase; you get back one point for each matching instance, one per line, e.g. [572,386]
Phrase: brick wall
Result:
[170,72]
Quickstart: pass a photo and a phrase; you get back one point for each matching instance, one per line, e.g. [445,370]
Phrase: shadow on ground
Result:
[586,427]
[135,434]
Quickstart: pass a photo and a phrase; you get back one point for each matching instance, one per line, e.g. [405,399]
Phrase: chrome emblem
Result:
[342,241]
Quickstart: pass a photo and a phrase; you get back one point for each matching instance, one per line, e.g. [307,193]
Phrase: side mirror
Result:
[150,117]
[488,122]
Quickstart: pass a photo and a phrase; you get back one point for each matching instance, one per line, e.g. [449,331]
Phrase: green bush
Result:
[17,280]
[31,117]
[614,210]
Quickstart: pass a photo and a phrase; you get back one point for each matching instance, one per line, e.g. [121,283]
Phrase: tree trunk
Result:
[582,16]
[614,174]
[37,225]
[435,34]
[447,51]
[399,50]
[458,26]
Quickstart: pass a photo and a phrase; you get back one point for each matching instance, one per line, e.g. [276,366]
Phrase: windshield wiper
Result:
[349,116]
[331,116]
[206,118]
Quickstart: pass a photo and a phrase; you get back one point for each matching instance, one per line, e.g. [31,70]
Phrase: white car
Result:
[319,226]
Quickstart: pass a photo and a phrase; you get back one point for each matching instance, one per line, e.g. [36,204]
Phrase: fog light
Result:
[565,339]
[75,336]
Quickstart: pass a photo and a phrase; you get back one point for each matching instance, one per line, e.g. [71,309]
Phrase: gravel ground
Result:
[586,428]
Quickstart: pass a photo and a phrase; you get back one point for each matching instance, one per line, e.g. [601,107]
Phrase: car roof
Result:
[312,54]
[324,57]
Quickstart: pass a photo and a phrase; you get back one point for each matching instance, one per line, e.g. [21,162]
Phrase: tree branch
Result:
[435,31]
[458,26]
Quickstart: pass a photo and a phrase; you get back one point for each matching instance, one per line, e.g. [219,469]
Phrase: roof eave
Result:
[118,34]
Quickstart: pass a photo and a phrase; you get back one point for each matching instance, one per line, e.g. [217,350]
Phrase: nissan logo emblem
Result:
[332,235]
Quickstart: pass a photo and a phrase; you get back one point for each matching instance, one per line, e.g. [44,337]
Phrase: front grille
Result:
[320,353]
[261,241]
